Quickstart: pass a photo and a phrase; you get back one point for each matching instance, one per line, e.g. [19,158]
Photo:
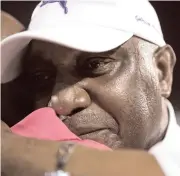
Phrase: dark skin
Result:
[115,97]
[120,95]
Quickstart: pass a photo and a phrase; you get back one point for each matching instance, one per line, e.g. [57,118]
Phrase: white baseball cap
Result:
[87,25]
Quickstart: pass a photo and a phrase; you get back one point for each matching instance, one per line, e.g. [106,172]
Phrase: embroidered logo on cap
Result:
[61,3]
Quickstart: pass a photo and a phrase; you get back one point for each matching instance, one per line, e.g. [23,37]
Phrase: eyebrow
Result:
[116,53]
[109,52]
[105,53]
[119,50]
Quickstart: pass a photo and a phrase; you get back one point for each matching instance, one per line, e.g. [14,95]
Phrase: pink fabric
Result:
[44,124]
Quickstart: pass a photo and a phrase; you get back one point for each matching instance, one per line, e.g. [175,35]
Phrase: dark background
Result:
[169,15]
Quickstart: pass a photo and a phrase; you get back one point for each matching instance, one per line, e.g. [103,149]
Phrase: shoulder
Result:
[167,153]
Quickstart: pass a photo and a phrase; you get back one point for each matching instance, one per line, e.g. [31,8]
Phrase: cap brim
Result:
[84,38]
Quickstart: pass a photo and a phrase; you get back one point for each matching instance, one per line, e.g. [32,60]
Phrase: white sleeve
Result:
[168,157]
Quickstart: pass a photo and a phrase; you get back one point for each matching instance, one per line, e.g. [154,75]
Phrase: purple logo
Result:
[61,3]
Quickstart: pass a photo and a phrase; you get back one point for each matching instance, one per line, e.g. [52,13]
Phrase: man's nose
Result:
[70,100]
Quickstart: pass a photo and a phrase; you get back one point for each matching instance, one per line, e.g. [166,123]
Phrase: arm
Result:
[25,156]
[116,163]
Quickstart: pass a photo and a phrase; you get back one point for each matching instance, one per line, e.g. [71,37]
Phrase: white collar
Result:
[173,129]
[167,151]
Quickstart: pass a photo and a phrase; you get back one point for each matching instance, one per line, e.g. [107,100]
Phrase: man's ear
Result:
[165,59]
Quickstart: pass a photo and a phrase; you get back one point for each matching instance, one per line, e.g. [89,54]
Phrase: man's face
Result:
[112,97]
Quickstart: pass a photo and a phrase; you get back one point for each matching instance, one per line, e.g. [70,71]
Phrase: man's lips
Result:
[104,136]
[83,129]
[92,131]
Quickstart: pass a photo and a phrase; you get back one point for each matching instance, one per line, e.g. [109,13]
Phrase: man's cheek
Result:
[127,103]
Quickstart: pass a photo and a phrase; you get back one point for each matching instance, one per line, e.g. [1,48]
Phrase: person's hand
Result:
[124,162]
[32,157]
[5,128]
[23,156]
[92,162]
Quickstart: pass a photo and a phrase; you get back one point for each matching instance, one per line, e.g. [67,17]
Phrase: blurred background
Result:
[169,15]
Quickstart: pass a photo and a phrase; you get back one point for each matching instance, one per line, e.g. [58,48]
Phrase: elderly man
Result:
[105,69]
